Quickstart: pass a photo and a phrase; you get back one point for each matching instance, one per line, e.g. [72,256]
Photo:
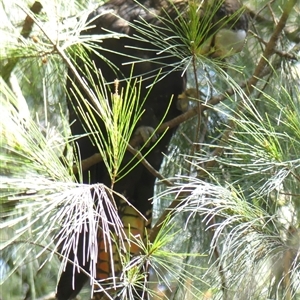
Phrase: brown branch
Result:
[25,32]
[28,24]
[270,47]
[148,166]
[96,158]
[88,162]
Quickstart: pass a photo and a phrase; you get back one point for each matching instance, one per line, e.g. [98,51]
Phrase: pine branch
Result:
[270,47]
[283,54]
[259,71]
[291,33]
[26,30]
[137,140]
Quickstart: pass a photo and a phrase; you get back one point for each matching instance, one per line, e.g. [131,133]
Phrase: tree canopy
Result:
[225,220]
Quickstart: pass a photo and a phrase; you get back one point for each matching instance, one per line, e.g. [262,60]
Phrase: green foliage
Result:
[237,196]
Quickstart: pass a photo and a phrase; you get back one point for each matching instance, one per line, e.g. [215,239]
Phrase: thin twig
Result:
[148,166]
[280,53]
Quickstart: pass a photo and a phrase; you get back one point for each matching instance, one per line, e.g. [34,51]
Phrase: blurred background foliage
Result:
[234,166]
